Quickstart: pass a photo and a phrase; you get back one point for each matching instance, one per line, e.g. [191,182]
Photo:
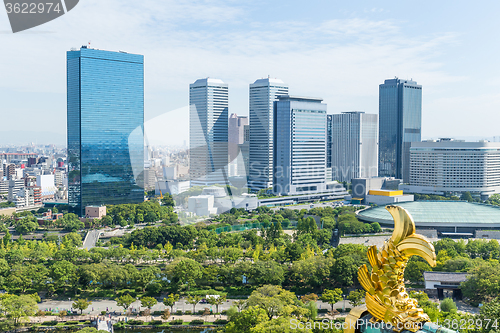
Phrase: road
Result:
[91,239]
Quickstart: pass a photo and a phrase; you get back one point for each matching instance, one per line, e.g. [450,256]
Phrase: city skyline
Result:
[182,41]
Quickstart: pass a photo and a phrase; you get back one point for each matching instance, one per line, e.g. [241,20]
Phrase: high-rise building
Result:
[299,145]
[400,124]
[263,93]
[354,146]
[105,128]
[236,134]
[208,132]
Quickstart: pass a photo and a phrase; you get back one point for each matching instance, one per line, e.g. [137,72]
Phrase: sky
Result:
[337,50]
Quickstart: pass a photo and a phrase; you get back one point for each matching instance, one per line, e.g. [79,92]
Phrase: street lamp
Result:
[343,303]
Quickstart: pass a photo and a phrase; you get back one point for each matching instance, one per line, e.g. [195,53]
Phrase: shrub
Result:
[188,312]
[447,305]
[50,323]
[103,313]
[119,325]
[72,322]
[86,322]
[178,313]
[197,322]
[176,322]
[155,322]
[135,322]
[157,313]
[322,310]
[219,288]
[220,322]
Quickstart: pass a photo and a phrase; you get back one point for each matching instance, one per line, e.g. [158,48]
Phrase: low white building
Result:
[445,283]
[202,205]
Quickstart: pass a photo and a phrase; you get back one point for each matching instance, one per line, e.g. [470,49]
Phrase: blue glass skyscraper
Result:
[105,105]
[400,124]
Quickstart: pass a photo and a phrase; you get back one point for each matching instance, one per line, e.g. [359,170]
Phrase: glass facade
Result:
[208,132]
[400,123]
[263,93]
[300,145]
[105,105]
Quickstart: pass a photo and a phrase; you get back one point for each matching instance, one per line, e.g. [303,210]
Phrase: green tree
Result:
[447,305]
[146,276]
[482,284]
[63,272]
[171,300]
[125,301]
[244,321]
[355,297]
[81,304]
[148,302]
[71,222]
[415,269]
[18,307]
[273,299]
[467,197]
[184,271]
[331,296]
[489,311]
[168,200]
[213,300]
[26,225]
[72,239]
[193,300]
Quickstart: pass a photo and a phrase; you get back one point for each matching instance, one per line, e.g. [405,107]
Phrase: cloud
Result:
[341,60]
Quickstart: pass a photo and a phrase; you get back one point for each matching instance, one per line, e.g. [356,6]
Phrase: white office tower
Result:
[354,146]
[208,132]
[263,93]
[236,137]
[300,146]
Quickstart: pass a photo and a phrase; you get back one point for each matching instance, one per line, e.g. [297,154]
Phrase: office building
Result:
[299,145]
[354,146]
[455,167]
[105,128]
[263,93]
[400,123]
[236,134]
[208,132]
[236,138]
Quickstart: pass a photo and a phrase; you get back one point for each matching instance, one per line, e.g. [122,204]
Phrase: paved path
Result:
[105,325]
[110,305]
[91,239]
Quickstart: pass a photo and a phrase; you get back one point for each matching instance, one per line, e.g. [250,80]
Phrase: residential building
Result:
[208,132]
[455,167]
[263,93]
[400,124]
[105,120]
[354,146]
[299,145]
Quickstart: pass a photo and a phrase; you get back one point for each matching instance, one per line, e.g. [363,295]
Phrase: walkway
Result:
[91,239]
[105,325]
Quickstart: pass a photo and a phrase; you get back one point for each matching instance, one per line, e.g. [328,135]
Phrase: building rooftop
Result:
[440,213]
[445,276]
[267,81]
[300,98]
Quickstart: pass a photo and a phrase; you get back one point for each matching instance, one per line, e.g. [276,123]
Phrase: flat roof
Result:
[440,213]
